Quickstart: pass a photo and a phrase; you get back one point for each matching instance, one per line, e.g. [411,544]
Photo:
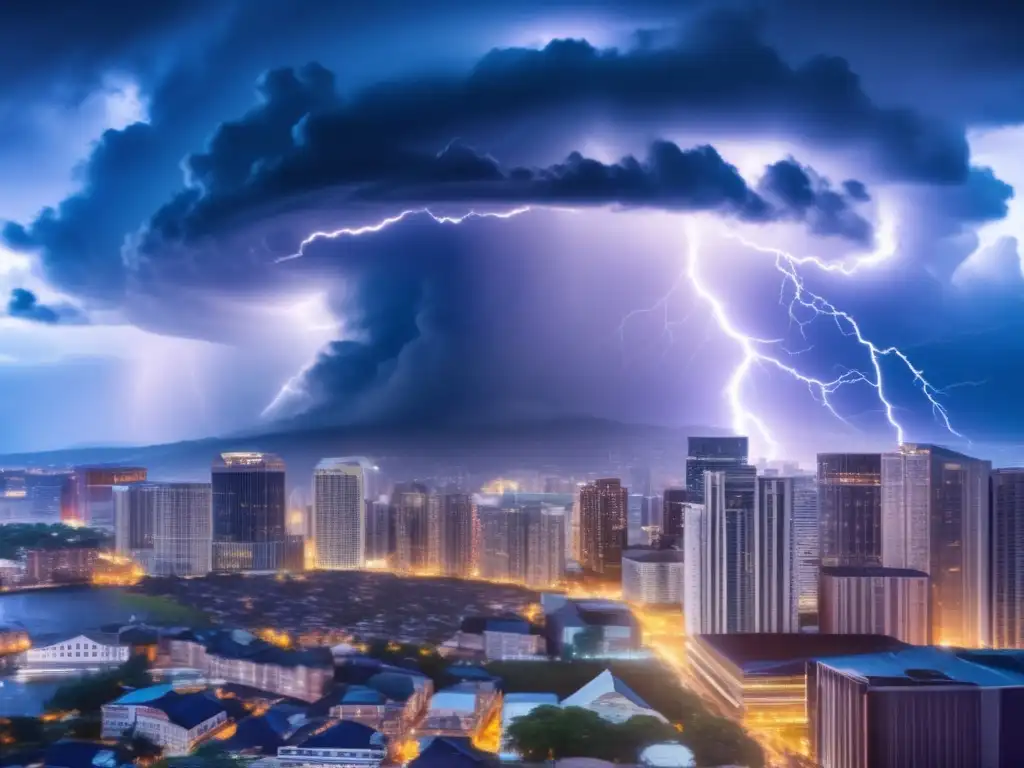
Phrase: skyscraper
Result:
[672,517]
[721,583]
[545,545]
[805,542]
[167,528]
[456,534]
[712,454]
[411,539]
[92,495]
[850,509]
[249,512]
[377,531]
[182,529]
[603,526]
[935,518]
[1008,558]
[775,599]
[339,515]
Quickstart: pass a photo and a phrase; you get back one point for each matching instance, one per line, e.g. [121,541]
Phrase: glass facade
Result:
[712,454]
[850,509]
[249,513]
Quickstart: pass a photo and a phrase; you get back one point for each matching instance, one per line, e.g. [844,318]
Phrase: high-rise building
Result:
[1008,558]
[712,454]
[805,542]
[456,526]
[91,499]
[672,514]
[45,492]
[775,598]
[935,518]
[653,577]
[721,583]
[167,528]
[249,513]
[634,518]
[545,546]
[850,509]
[134,522]
[339,515]
[603,526]
[410,512]
[378,514]
[875,601]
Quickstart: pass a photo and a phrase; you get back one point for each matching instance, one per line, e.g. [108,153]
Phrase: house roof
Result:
[239,644]
[144,695]
[454,699]
[787,654]
[477,625]
[602,685]
[188,710]
[346,735]
[451,753]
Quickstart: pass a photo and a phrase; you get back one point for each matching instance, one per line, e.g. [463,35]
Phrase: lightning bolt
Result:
[757,351]
[369,229]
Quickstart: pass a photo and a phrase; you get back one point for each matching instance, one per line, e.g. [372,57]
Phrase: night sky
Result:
[746,215]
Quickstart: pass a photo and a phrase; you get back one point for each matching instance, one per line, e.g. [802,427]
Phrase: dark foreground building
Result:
[922,706]
[249,514]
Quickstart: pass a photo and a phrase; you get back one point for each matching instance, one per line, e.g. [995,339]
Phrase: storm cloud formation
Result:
[312,155]
[25,305]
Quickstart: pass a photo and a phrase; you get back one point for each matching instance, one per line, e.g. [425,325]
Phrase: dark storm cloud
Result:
[26,305]
[808,197]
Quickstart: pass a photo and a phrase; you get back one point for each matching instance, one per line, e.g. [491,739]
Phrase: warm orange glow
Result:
[500,485]
[407,751]
[280,638]
[488,737]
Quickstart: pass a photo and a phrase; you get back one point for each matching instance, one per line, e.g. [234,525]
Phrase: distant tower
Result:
[410,512]
[249,531]
[712,454]
[377,541]
[673,508]
[165,527]
[456,534]
[850,509]
[1008,558]
[603,526]
[805,547]
[339,515]
[545,546]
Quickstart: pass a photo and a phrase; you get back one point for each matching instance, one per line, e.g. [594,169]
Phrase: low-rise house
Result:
[175,721]
[342,745]
[236,656]
[261,735]
[452,753]
[81,651]
[495,638]
[460,711]
[612,622]
[612,699]
[390,702]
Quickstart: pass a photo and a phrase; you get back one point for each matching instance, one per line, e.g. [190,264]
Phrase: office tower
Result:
[92,495]
[249,513]
[723,591]
[634,517]
[456,535]
[775,599]
[573,541]
[935,518]
[805,542]
[339,515]
[545,546]
[603,526]
[45,492]
[134,522]
[377,543]
[653,577]
[435,534]
[410,511]
[672,514]
[182,529]
[919,707]
[875,601]
[712,454]
[1008,558]
[850,509]
[502,540]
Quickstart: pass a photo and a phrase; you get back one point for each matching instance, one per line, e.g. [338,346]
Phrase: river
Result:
[49,616]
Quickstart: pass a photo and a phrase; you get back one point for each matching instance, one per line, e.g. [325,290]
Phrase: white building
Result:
[177,722]
[339,514]
[652,577]
[805,542]
[775,598]
[167,528]
[344,745]
[695,525]
[79,652]
[935,519]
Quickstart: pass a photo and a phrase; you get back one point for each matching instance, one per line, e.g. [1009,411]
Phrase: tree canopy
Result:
[88,694]
[18,536]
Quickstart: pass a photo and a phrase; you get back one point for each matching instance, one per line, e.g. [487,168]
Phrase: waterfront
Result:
[50,615]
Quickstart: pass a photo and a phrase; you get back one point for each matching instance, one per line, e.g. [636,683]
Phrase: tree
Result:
[628,739]
[550,732]
[88,694]
[718,741]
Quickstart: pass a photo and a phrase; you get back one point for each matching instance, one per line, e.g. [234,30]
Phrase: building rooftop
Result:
[476,625]
[459,700]
[346,735]
[445,752]
[188,710]
[788,654]
[600,686]
[931,665]
[850,571]
[145,695]
[239,644]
